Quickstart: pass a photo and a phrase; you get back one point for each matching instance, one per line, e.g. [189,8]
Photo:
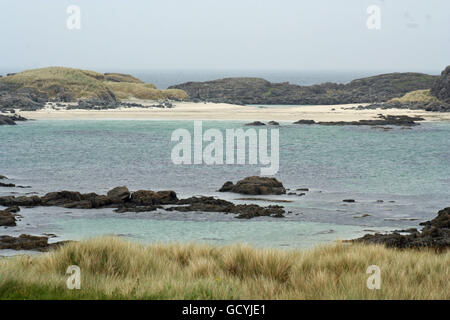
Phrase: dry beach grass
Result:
[112,268]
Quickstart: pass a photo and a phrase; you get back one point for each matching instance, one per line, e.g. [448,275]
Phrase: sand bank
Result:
[221,111]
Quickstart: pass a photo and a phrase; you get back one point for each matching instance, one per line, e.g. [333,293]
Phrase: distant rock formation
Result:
[441,88]
[259,91]
[255,186]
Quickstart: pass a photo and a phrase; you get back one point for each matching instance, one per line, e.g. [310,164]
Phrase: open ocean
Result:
[407,169]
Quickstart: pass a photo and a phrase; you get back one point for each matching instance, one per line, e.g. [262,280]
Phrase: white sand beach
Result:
[221,111]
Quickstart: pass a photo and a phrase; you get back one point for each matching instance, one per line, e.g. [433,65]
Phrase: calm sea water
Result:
[408,169]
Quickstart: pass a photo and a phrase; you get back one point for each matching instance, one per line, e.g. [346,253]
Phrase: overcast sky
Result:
[228,34]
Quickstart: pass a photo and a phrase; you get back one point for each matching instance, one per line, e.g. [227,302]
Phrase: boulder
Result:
[255,186]
[255,123]
[61,198]
[28,242]
[305,122]
[144,198]
[119,194]
[24,201]
[149,197]
[7,219]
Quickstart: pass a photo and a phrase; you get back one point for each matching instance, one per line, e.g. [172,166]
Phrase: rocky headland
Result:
[436,99]
[30,90]
[244,91]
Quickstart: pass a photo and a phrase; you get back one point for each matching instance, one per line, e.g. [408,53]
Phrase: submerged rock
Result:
[255,186]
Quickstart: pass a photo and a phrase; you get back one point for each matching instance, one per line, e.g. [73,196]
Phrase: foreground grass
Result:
[115,269]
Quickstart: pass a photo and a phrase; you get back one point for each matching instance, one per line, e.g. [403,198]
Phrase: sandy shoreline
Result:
[221,111]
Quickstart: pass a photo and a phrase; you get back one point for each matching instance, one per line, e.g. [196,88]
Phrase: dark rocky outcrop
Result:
[116,198]
[7,185]
[435,234]
[10,120]
[259,91]
[441,88]
[255,186]
[382,120]
[255,123]
[7,219]
[119,194]
[149,198]
[28,242]
[305,122]
[2,177]
[243,211]
[427,106]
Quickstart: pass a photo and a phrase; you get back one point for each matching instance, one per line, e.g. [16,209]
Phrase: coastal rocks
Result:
[259,91]
[10,120]
[7,219]
[243,211]
[148,197]
[2,177]
[441,88]
[28,242]
[7,185]
[401,120]
[349,200]
[117,197]
[435,234]
[22,201]
[255,123]
[119,194]
[273,123]
[255,186]
[305,122]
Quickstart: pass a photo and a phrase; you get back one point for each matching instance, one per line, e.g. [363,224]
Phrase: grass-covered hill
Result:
[378,88]
[68,84]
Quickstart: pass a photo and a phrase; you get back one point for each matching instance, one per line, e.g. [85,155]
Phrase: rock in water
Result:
[27,242]
[119,193]
[435,234]
[255,186]
[7,219]
[150,198]
[255,123]
[441,88]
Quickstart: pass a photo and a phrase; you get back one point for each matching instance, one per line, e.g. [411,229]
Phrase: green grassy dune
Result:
[416,96]
[77,83]
[116,269]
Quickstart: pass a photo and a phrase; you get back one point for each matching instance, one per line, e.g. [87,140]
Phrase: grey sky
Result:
[226,34]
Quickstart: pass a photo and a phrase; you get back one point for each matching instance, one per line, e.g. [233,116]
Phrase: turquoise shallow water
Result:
[406,168]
